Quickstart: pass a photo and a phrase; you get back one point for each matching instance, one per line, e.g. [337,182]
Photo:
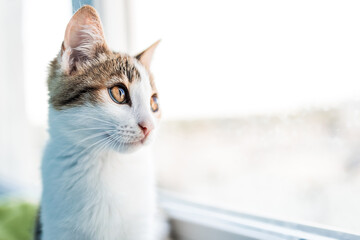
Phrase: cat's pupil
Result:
[154,104]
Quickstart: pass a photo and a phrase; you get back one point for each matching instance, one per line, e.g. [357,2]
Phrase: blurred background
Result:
[260,99]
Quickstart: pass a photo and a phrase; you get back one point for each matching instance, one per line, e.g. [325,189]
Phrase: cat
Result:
[98,178]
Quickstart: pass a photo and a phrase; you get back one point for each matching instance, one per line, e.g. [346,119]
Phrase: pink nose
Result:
[146,128]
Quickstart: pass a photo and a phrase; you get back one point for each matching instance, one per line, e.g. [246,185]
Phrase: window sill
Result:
[193,221]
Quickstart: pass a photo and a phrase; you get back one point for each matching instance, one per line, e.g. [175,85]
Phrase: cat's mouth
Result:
[140,142]
[118,142]
[145,138]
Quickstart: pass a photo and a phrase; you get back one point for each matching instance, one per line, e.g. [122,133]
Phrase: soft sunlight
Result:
[235,58]
[228,58]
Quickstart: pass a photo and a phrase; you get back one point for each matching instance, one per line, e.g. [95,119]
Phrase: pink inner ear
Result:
[83,35]
[83,28]
[73,36]
[145,57]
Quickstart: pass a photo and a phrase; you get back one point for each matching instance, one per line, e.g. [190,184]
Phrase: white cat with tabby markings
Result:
[98,179]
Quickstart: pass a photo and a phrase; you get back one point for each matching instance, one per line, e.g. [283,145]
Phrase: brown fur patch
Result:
[85,65]
[83,85]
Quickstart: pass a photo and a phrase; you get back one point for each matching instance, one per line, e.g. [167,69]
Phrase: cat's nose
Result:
[146,127]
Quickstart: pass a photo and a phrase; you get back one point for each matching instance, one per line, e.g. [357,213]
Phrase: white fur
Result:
[98,181]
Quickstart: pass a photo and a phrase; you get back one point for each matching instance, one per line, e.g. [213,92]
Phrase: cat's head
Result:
[101,99]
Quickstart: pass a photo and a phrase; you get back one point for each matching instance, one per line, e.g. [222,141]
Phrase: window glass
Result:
[40,26]
[261,104]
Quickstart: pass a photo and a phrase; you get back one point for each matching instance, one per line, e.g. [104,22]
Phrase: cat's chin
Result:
[133,146]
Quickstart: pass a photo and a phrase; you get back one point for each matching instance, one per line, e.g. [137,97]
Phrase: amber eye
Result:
[154,103]
[119,94]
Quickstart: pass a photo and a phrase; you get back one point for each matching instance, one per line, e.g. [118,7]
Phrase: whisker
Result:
[97,142]
[67,114]
[100,146]
[83,129]
[83,140]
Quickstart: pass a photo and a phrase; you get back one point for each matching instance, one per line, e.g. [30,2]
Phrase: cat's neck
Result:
[77,179]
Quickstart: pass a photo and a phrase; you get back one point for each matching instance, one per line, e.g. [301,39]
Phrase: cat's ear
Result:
[145,56]
[84,38]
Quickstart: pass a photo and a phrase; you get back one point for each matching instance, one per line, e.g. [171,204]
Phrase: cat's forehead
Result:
[96,74]
[107,70]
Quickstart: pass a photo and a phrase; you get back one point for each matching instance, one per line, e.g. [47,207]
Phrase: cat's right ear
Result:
[84,39]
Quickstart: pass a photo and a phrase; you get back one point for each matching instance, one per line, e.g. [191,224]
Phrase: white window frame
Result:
[194,221]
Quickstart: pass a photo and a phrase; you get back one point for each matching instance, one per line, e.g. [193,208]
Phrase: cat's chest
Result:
[114,200]
[126,199]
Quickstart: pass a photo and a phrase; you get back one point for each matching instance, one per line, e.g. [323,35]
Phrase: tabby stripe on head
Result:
[80,87]
[77,97]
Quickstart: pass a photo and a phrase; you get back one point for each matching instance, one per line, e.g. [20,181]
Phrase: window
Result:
[261,105]
[261,109]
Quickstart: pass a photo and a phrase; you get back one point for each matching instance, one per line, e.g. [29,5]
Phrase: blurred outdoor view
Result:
[303,167]
[260,99]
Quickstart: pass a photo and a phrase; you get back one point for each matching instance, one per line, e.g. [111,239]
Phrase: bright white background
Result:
[243,57]
[44,24]
[222,58]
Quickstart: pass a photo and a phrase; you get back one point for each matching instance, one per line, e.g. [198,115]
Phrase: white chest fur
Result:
[105,197]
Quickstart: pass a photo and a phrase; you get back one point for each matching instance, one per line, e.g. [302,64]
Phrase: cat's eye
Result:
[154,103]
[119,94]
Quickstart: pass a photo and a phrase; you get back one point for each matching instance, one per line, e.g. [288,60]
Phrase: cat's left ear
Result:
[84,39]
[145,56]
